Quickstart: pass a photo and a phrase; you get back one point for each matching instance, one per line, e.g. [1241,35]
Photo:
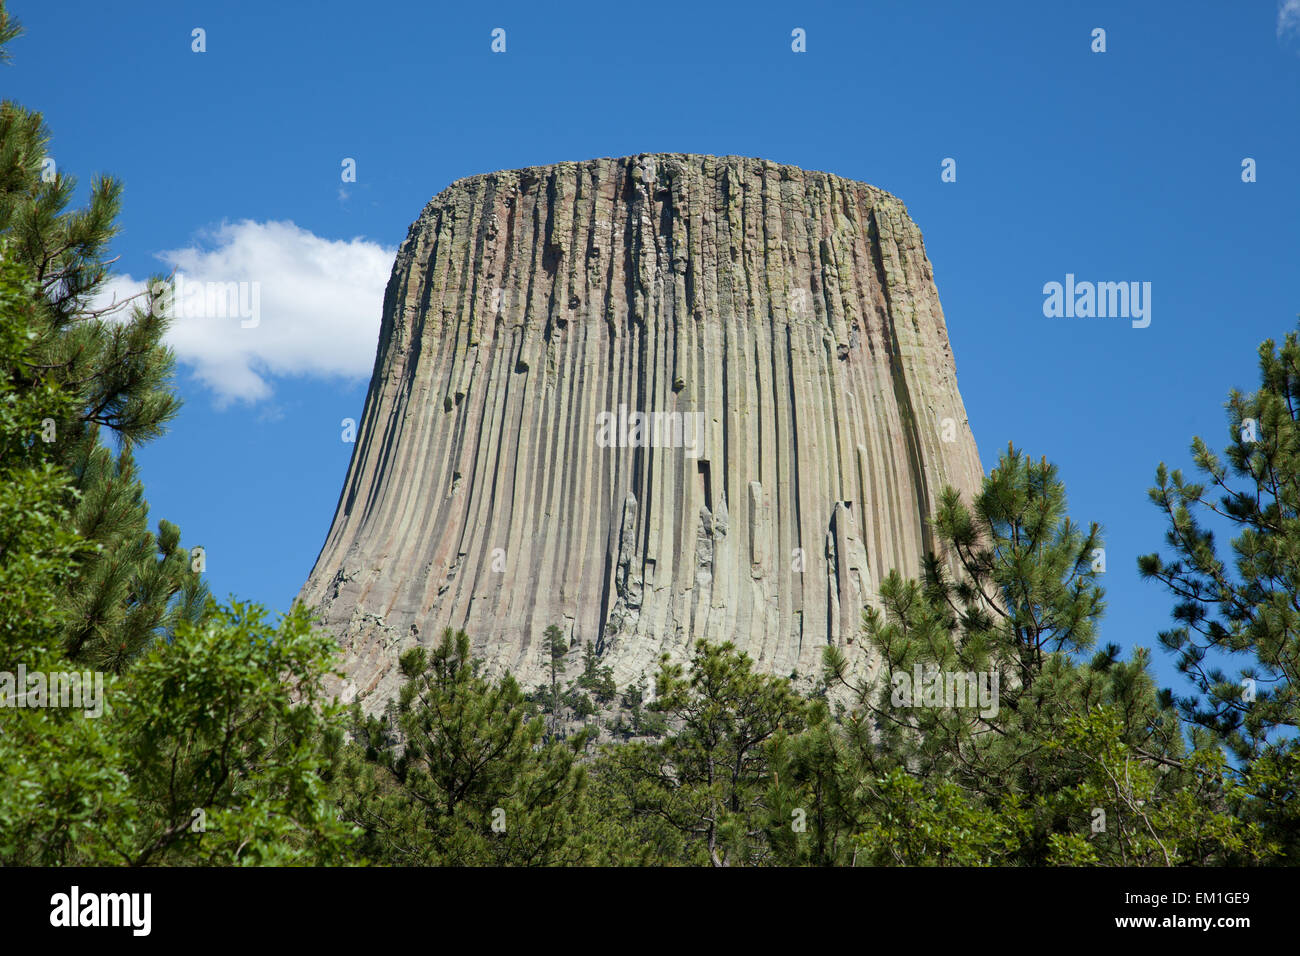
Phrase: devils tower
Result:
[651,400]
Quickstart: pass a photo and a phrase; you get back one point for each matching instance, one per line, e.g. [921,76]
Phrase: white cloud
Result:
[300,305]
[1288,17]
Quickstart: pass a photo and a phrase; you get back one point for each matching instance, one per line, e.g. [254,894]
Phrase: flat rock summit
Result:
[651,400]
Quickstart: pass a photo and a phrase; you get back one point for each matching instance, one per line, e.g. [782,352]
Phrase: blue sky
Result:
[1115,166]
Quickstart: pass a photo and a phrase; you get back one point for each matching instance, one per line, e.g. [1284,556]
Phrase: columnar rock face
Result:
[651,400]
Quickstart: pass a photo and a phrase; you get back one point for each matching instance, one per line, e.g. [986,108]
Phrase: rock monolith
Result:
[651,400]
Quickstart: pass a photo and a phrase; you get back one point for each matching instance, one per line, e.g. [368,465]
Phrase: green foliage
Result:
[1249,610]
[37,548]
[551,696]
[697,796]
[223,717]
[1065,739]
[597,679]
[112,372]
[1137,817]
[1028,586]
[457,776]
[556,647]
[230,718]
[57,769]
[915,824]
[581,704]
[1243,608]
[215,749]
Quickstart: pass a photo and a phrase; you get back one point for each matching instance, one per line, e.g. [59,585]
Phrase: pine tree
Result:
[110,362]
[1245,607]
[555,646]
[455,775]
[1029,579]
[37,549]
[595,677]
[227,719]
[1066,739]
[60,770]
[697,796]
